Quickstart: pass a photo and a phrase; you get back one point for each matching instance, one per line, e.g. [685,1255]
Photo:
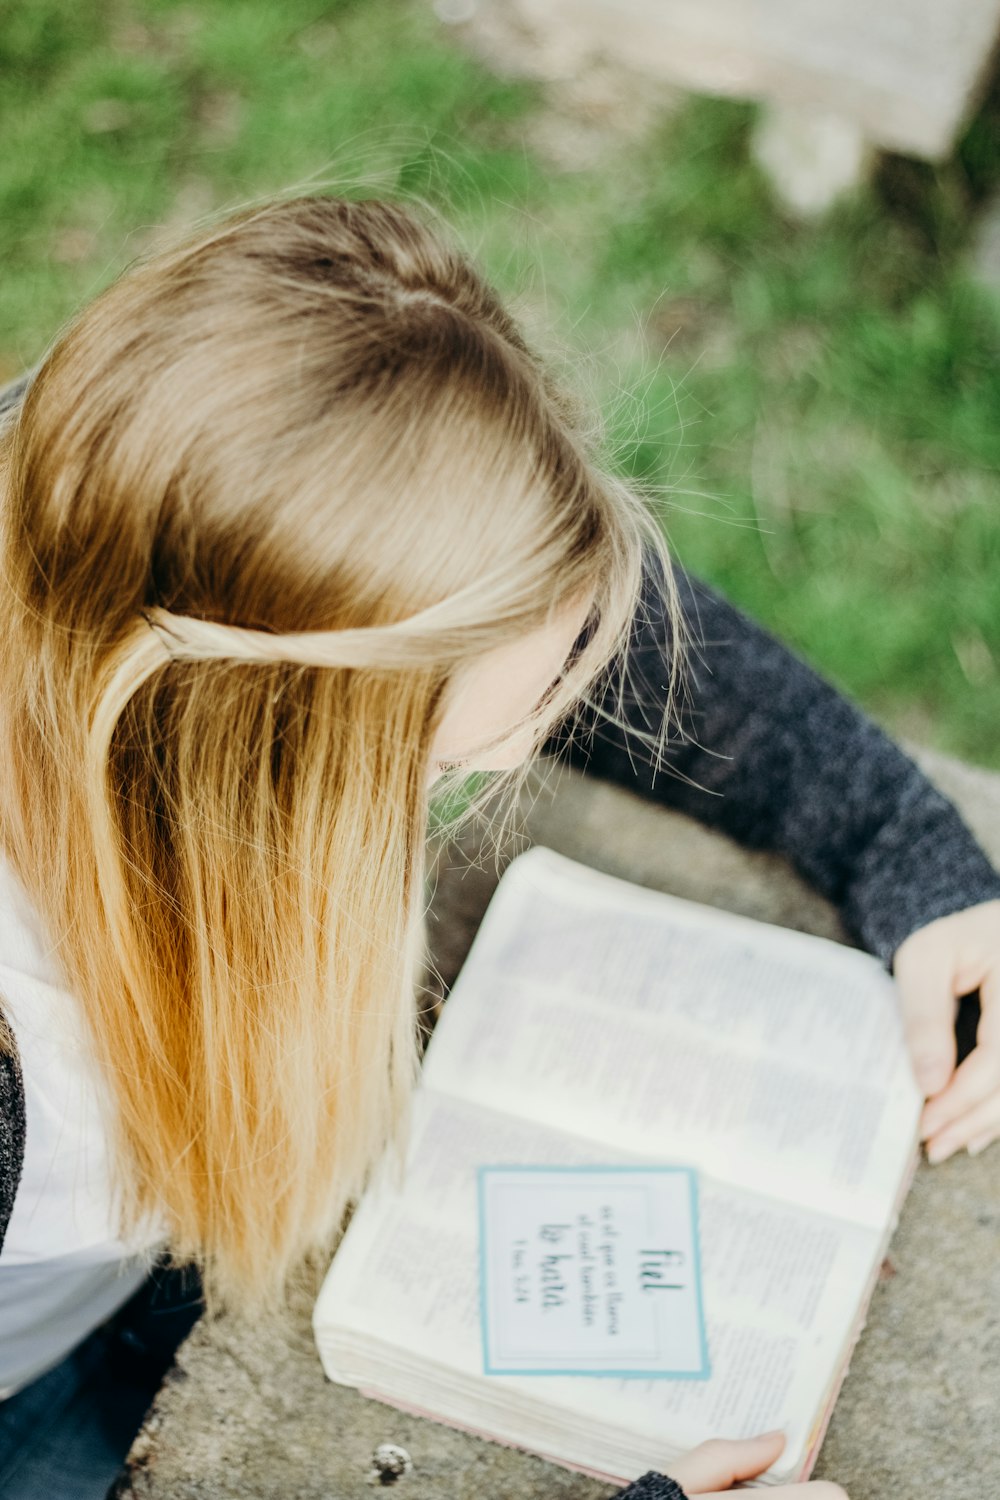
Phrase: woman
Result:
[293,523]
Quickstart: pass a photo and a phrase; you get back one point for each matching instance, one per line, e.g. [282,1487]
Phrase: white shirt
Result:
[63,1267]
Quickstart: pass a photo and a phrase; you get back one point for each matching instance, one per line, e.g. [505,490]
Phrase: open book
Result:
[597,1022]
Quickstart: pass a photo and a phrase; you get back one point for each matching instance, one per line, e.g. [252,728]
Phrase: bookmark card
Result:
[591,1271]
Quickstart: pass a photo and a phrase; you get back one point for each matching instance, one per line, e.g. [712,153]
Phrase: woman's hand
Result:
[715,1467]
[933,967]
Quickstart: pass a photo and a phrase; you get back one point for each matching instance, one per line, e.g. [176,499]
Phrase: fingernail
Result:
[979,1144]
[940,1151]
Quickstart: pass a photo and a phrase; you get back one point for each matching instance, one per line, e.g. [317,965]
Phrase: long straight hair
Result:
[265,497]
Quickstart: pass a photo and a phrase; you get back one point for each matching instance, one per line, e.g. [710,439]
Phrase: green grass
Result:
[815,406]
[840,438]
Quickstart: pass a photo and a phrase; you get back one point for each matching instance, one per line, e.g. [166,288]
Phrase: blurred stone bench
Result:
[248,1414]
[839,77]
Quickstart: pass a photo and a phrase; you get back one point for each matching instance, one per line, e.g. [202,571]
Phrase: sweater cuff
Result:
[652,1486]
[923,863]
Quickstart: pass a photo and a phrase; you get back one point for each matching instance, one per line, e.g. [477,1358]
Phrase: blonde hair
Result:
[264,498]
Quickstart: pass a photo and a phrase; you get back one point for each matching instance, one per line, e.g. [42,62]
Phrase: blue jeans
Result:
[65,1436]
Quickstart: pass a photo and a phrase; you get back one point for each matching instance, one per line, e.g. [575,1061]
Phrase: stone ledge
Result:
[247,1412]
[905,73]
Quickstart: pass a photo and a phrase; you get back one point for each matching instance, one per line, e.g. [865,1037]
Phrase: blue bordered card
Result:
[591,1271]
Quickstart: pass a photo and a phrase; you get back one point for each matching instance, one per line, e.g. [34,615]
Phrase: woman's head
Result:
[283,511]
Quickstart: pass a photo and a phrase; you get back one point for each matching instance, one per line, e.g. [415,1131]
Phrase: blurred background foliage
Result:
[815,405]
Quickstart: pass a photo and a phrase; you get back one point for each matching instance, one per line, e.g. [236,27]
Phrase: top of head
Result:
[313,420]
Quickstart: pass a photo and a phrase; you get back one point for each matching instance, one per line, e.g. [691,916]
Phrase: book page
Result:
[768,1058]
[780,1288]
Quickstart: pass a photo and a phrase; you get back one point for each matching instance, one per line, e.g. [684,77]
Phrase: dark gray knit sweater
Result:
[775,757]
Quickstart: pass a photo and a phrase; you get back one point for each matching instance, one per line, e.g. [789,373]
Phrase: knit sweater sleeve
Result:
[11,1128]
[652,1486]
[765,750]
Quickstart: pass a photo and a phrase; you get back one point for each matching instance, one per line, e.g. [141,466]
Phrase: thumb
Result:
[722,1462]
[925,983]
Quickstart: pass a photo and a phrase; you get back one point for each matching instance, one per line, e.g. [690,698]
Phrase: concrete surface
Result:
[837,81]
[247,1412]
[906,73]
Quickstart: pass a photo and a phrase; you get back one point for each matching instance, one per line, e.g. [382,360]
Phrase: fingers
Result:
[975,1130]
[925,981]
[816,1489]
[967,1101]
[967,1112]
[722,1462]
